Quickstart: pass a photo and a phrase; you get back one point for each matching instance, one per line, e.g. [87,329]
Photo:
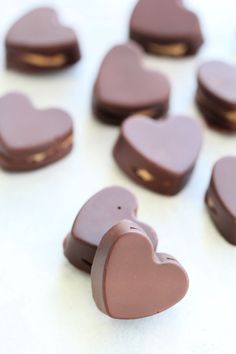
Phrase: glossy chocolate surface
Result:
[130,280]
[38,42]
[159,155]
[221,197]
[124,86]
[165,27]
[216,94]
[32,138]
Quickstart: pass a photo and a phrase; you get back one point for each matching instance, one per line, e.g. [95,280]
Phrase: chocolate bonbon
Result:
[216,94]
[124,86]
[221,197]
[160,155]
[38,42]
[32,138]
[130,280]
[96,217]
[166,27]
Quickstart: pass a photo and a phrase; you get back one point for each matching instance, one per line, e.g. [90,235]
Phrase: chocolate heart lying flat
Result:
[158,155]
[38,42]
[95,218]
[221,197]
[216,94]
[123,86]
[31,138]
[165,27]
[129,280]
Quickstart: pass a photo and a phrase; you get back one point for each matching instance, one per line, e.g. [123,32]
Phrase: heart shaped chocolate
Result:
[221,197]
[39,42]
[159,155]
[95,218]
[216,94]
[165,27]
[31,138]
[123,86]
[129,280]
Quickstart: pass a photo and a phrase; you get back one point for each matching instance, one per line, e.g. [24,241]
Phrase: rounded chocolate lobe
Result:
[165,27]
[221,197]
[215,97]
[123,86]
[224,179]
[129,280]
[218,80]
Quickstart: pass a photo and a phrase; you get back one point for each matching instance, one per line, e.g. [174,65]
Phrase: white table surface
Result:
[45,304]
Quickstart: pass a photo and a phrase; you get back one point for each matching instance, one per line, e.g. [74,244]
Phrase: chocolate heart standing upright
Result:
[216,94]
[159,155]
[38,42]
[221,197]
[166,27]
[32,138]
[124,86]
[130,280]
[96,217]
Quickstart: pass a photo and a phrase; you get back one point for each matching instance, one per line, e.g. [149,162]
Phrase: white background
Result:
[45,304]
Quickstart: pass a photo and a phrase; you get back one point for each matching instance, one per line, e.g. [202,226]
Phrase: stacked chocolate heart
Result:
[129,279]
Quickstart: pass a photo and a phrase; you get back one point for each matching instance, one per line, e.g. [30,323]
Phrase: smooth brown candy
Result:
[130,280]
[96,217]
[38,42]
[124,86]
[221,197]
[216,94]
[32,138]
[159,155]
[166,27]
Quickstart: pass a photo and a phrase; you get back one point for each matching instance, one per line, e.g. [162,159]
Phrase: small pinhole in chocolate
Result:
[119,207]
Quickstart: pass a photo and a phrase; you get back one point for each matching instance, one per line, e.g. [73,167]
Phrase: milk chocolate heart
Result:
[123,86]
[165,27]
[31,138]
[39,42]
[159,155]
[129,280]
[95,218]
[221,197]
[216,94]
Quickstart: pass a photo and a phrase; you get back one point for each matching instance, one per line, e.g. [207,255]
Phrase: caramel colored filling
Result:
[41,156]
[175,50]
[144,175]
[146,112]
[231,116]
[56,60]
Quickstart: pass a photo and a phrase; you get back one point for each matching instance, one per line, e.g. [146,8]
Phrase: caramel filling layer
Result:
[56,60]
[146,112]
[42,156]
[231,116]
[228,115]
[144,174]
[175,50]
